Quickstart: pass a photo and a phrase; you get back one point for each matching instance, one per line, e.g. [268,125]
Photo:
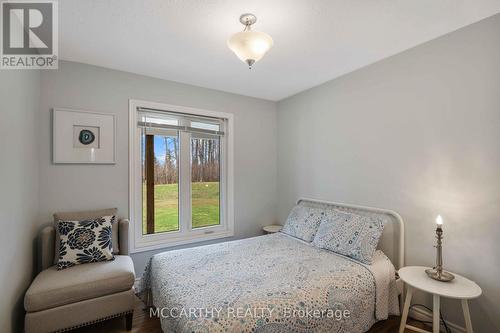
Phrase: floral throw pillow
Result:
[303,222]
[87,241]
[351,235]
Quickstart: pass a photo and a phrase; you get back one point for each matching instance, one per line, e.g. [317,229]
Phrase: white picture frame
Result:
[83,137]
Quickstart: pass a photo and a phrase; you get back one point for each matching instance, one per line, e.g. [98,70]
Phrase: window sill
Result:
[165,244]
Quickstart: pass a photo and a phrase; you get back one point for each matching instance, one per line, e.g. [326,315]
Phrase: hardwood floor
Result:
[142,323]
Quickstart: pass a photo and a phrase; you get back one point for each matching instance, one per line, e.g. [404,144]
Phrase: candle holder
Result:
[437,273]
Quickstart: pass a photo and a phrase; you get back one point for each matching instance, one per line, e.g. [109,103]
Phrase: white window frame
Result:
[185,235]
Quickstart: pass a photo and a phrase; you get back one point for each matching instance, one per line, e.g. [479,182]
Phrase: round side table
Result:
[271,229]
[459,288]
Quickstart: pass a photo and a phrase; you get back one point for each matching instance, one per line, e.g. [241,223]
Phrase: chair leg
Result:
[128,320]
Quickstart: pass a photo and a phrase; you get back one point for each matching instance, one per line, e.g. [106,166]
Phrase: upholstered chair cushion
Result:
[52,288]
[349,234]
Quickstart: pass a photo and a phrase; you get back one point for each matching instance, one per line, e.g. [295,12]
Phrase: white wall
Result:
[418,133]
[19,97]
[75,187]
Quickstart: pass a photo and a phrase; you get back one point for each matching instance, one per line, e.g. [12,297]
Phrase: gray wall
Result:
[75,187]
[418,133]
[19,96]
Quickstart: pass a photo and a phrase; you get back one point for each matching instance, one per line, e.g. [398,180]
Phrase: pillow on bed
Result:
[349,234]
[86,241]
[303,222]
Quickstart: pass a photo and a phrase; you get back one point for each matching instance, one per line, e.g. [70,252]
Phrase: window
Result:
[181,175]
[160,181]
[205,181]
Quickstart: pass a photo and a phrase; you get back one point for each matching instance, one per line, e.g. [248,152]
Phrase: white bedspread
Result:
[271,283]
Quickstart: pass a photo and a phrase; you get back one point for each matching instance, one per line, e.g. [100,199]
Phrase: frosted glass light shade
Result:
[250,46]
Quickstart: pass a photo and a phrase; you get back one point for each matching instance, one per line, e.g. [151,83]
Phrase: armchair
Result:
[59,301]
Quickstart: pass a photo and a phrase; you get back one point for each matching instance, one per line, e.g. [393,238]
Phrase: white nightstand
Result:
[460,288]
[271,229]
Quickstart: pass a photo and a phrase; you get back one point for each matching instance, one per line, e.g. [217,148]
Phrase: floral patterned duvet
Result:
[272,283]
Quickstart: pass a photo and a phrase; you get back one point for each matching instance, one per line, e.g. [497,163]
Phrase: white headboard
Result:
[392,239]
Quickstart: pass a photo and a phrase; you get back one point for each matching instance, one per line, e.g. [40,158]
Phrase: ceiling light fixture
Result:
[249,45]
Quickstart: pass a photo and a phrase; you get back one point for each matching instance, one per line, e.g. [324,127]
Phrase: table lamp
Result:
[437,273]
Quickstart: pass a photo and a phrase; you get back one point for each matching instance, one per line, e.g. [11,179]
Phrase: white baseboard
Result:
[423,314]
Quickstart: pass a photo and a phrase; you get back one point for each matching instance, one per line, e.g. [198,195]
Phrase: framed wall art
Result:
[83,137]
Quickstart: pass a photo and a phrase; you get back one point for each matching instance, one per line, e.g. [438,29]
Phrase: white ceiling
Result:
[314,40]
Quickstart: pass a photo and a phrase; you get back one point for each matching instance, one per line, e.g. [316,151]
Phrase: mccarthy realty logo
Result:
[29,34]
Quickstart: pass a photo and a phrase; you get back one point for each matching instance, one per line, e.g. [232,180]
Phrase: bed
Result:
[276,283]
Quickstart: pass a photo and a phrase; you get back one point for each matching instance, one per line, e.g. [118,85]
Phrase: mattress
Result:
[271,283]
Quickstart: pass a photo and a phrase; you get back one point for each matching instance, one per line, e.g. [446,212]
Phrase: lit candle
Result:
[439,220]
